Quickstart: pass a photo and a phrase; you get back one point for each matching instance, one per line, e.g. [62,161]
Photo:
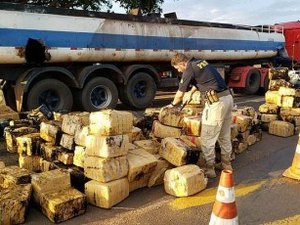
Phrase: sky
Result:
[245,12]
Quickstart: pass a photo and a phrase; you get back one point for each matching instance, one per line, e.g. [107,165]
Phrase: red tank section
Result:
[292,39]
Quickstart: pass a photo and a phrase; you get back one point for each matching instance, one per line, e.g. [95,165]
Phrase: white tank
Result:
[105,37]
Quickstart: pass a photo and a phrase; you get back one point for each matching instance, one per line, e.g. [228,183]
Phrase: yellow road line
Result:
[209,195]
[293,220]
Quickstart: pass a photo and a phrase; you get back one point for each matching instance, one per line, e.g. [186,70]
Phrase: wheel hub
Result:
[100,97]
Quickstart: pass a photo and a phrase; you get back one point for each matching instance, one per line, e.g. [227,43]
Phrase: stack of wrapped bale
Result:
[50,132]
[245,129]
[106,157]
[184,180]
[23,137]
[15,194]
[75,130]
[171,121]
[17,128]
[282,100]
[53,193]
[184,125]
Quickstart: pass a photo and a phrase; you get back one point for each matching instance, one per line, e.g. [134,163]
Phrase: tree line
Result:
[145,6]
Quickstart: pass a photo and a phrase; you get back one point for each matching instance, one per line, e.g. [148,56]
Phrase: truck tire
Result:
[252,82]
[140,90]
[99,93]
[53,93]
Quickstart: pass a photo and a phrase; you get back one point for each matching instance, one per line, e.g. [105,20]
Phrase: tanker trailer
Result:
[59,57]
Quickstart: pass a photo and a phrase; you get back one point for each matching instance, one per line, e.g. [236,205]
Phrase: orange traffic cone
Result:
[294,170]
[224,210]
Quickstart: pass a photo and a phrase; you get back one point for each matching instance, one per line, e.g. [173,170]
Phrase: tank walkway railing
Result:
[268,28]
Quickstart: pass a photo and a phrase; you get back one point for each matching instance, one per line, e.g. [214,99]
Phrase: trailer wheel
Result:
[265,88]
[53,93]
[99,93]
[252,82]
[140,90]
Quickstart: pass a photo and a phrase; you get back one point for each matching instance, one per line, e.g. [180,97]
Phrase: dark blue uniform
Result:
[203,76]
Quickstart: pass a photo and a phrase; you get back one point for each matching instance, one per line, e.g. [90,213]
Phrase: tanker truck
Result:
[70,59]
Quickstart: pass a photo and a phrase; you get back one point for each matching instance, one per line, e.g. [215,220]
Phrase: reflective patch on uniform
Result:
[202,64]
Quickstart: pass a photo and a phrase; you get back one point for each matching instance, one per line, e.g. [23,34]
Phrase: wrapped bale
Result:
[274,85]
[47,165]
[31,163]
[171,117]
[273,97]
[184,181]
[157,176]
[50,131]
[287,101]
[151,145]
[194,99]
[111,122]
[268,108]
[288,114]
[140,164]
[29,144]
[243,135]
[13,175]
[72,122]
[21,123]
[192,110]
[11,134]
[162,131]
[14,203]
[79,156]
[243,122]
[106,195]
[67,141]
[107,146]
[81,135]
[281,128]
[251,139]
[105,170]
[58,116]
[278,73]
[65,156]
[174,116]
[192,126]
[136,134]
[177,152]
[192,141]
[241,147]
[63,204]
[50,152]
[247,111]
[43,182]
[286,91]
[266,118]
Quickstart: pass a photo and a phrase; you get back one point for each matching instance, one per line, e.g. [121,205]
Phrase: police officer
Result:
[216,116]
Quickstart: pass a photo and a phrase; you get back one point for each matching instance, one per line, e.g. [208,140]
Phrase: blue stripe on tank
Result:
[18,37]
